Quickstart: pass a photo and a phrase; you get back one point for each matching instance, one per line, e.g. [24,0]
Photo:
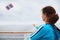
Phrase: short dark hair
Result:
[50,12]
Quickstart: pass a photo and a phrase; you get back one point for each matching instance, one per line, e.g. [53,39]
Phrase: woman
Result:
[48,31]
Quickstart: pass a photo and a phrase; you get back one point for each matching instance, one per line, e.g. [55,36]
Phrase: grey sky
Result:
[25,11]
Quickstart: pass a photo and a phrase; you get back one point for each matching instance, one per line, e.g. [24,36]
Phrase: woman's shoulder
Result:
[47,27]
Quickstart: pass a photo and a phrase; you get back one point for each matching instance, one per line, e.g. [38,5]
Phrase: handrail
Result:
[15,32]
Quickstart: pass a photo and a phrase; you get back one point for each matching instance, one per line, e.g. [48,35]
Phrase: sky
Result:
[24,12]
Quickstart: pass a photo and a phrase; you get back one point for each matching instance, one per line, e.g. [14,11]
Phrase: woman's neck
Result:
[48,22]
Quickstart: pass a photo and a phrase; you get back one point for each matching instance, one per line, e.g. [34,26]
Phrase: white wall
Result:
[24,12]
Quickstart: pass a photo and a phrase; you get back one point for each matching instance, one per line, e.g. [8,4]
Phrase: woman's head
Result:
[49,15]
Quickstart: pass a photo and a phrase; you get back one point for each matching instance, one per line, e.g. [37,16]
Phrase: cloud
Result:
[25,11]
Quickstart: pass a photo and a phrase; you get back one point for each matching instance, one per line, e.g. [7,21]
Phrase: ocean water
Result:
[11,38]
[14,36]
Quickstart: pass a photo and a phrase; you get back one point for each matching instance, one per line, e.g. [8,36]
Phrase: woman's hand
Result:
[34,25]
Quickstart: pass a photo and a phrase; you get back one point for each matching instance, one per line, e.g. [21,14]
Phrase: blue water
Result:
[11,38]
[14,37]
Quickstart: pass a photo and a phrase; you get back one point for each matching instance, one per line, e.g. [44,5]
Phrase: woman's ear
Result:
[44,17]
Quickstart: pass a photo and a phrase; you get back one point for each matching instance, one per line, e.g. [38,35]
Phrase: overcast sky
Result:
[25,11]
